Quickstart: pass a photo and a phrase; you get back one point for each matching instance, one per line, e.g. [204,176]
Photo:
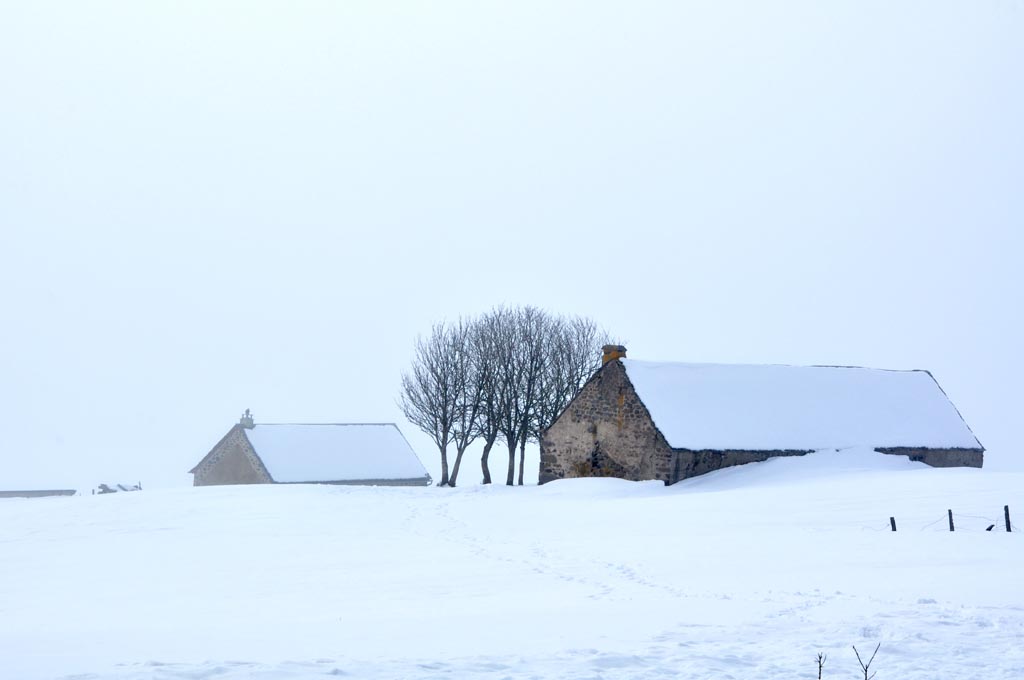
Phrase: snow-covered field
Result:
[745,573]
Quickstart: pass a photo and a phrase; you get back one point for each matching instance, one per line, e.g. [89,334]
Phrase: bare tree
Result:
[486,340]
[429,391]
[822,658]
[509,381]
[536,330]
[469,390]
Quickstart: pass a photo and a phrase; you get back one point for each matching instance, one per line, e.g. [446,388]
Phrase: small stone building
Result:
[670,421]
[336,453]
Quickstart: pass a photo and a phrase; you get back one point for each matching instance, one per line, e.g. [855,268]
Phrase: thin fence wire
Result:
[987,519]
[944,518]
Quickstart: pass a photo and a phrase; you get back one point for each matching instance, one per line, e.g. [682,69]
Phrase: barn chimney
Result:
[246,420]
[610,352]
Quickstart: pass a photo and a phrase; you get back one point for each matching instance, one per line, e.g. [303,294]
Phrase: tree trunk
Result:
[483,460]
[522,459]
[510,481]
[444,466]
[455,469]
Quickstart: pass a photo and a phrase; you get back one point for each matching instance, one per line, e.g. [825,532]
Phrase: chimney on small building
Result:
[611,352]
[246,420]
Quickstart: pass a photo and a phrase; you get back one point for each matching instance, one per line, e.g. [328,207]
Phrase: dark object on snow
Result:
[103,488]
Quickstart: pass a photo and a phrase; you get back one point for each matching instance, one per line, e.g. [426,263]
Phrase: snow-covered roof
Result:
[745,407]
[334,452]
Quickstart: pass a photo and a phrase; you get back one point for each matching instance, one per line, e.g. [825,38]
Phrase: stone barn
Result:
[670,421]
[335,453]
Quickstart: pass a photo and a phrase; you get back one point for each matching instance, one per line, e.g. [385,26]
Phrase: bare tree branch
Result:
[486,351]
[468,388]
[429,391]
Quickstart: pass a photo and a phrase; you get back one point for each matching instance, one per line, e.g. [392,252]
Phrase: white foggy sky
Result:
[211,206]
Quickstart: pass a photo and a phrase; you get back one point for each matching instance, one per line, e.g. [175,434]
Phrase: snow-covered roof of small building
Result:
[763,408]
[335,452]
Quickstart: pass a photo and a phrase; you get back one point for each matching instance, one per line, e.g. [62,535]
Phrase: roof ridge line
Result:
[330,424]
[780,365]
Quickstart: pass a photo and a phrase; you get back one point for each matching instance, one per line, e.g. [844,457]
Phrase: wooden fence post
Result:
[892,522]
[950,519]
[1006,516]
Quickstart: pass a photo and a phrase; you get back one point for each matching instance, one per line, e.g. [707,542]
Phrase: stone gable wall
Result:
[232,461]
[606,431]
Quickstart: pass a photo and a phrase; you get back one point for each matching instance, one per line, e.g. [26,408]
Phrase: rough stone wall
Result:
[940,457]
[688,463]
[232,461]
[605,432]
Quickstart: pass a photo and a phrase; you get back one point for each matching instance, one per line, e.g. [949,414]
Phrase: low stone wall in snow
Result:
[939,457]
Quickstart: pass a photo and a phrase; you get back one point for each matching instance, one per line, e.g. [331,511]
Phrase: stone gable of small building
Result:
[231,461]
[605,431]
